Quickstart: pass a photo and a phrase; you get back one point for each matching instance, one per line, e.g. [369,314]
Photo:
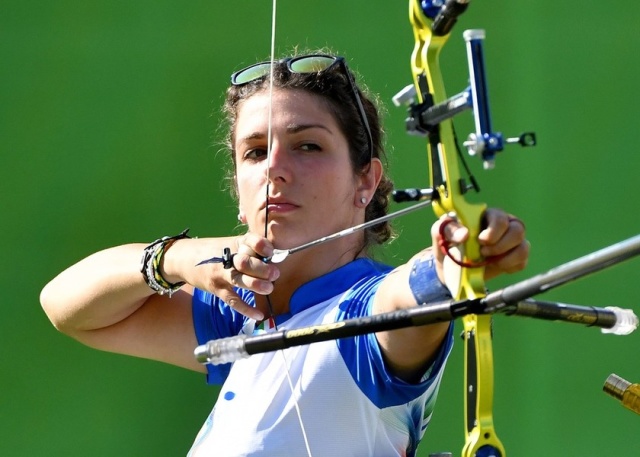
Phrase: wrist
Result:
[424,281]
[152,260]
[170,265]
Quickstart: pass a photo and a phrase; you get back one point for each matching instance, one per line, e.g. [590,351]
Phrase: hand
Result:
[248,271]
[502,241]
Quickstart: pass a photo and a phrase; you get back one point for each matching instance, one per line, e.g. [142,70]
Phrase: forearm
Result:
[98,291]
[410,350]
[108,287]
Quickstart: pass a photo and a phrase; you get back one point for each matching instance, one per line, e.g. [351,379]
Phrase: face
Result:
[313,189]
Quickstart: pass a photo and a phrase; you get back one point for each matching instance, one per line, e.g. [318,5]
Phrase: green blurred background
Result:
[108,134]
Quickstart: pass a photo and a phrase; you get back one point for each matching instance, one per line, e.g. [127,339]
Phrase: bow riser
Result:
[464,283]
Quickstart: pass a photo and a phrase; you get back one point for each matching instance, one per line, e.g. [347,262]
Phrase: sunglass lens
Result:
[311,64]
[250,74]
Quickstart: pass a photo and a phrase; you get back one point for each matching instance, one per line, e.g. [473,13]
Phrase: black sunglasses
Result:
[314,63]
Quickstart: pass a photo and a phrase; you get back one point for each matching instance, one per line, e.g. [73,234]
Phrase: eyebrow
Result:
[295,128]
[291,128]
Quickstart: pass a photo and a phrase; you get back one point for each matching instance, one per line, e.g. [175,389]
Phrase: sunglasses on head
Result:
[314,63]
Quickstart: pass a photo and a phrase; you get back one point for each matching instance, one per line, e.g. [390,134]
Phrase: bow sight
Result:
[426,116]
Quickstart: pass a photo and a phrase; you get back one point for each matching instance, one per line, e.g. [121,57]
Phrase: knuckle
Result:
[517,226]
[233,302]
[242,262]
[231,298]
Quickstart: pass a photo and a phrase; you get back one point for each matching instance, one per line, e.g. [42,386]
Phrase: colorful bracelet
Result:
[152,260]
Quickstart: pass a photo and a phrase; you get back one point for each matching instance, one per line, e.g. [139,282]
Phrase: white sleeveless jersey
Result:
[349,404]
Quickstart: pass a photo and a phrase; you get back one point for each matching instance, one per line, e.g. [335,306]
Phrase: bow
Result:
[430,114]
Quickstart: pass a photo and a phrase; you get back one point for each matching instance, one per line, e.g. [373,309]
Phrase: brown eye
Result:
[255,154]
[310,147]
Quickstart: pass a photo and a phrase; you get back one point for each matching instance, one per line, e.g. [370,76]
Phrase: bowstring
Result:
[266,221]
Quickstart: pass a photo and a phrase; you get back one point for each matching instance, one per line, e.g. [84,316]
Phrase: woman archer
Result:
[370,395]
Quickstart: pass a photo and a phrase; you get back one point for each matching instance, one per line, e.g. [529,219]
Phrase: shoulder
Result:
[356,300]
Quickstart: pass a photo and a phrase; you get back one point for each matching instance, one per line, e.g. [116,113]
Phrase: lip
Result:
[279,205]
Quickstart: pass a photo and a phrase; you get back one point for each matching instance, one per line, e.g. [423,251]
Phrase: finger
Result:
[510,237]
[256,245]
[496,226]
[255,267]
[512,262]
[235,302]
[247,274]
[249,261]
[453,232]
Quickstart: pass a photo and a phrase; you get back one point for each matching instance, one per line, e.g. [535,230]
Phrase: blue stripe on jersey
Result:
[363,357]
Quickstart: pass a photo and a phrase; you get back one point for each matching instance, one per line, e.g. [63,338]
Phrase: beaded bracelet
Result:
[151,261]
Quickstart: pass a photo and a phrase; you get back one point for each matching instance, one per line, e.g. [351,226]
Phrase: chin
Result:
[287,238]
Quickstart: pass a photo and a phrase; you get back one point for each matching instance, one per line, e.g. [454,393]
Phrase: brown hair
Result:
[334,87]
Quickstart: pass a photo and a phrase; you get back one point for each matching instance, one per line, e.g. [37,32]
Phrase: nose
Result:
[279,163]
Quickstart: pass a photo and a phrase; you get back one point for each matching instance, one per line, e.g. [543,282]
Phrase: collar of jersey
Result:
[333,283]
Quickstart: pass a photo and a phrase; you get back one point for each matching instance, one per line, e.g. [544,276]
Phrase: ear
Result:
[367,183]
[242,217]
